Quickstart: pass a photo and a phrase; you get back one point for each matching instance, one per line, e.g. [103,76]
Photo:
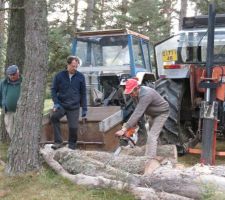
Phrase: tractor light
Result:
[173,66]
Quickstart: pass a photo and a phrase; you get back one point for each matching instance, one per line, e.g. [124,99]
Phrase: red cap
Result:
[130,85]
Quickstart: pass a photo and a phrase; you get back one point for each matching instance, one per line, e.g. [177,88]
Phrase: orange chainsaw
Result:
[129,138]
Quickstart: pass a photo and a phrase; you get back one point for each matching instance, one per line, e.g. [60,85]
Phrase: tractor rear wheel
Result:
[177,129]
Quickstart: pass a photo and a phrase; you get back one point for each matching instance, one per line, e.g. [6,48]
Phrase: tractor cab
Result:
[112,50]
[110,56]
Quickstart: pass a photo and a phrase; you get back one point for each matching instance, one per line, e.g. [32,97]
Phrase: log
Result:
[90,181]
[166,151]
[92,170]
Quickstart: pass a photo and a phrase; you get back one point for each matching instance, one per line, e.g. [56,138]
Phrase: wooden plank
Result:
[108,123]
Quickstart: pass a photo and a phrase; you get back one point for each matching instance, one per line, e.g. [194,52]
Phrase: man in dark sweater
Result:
[68,94]
[151,104]
[9,95]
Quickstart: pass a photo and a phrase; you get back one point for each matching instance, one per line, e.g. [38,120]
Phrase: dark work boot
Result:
[72,142]
[57,146]
[72,146]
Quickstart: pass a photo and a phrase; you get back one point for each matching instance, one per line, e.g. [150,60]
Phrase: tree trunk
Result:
[2,35]
[183,12]
[16,32]
[75,15]
[89,14]
[4,137]
[3,134]
[24,148]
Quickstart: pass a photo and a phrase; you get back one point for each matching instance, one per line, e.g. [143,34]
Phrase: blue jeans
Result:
[72,119]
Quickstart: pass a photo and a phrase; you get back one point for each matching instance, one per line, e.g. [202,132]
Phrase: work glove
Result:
[84,113]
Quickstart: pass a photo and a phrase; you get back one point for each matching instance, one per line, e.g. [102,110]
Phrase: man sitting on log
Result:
[149,103]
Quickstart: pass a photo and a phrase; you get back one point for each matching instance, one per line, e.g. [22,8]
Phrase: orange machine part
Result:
[217,73]
[129,133]
[199,73]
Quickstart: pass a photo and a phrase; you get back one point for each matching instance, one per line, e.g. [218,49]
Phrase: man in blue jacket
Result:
[68,94]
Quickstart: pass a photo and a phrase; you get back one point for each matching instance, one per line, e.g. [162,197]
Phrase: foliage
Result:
[48,104]
[202,6]
[59,48]
[139,18]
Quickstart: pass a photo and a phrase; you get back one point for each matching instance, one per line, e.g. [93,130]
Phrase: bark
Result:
[75,14]
[89,15]
[4,137]
[183,12]
[24,149]
[2,33]
[3,134]
[15,53]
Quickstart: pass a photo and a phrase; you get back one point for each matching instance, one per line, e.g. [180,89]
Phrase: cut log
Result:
[166,151]
[90,169]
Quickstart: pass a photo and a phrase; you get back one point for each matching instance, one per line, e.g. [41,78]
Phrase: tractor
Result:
[191,71]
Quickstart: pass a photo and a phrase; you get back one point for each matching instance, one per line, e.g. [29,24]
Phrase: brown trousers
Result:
[9,120]
[157,124]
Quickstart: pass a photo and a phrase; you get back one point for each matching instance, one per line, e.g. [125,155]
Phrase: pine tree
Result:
[24,147]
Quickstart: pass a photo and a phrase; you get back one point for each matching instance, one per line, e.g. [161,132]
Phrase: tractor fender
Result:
[145,77]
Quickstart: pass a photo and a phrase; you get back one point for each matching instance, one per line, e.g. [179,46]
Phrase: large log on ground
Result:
[93,170]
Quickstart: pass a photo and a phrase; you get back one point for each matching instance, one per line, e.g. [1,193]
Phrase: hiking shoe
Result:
[57,146]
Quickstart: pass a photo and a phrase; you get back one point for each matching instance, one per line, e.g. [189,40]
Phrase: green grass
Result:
[3,151]
[192,159]
[48,104]
[210,192]
[47,185]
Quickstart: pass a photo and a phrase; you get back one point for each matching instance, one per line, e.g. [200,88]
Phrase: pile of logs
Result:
[160,178]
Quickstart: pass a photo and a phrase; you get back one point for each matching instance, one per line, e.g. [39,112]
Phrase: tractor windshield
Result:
[105,51]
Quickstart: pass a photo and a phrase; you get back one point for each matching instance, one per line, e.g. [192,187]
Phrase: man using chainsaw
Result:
[150,103]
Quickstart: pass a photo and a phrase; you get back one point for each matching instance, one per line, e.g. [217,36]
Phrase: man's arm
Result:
[83,98]
[54,90]
[138,112]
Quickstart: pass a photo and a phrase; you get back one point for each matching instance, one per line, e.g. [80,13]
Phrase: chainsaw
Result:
[129,139]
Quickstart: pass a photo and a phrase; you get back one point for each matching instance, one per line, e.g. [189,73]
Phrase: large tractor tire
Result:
[175,130]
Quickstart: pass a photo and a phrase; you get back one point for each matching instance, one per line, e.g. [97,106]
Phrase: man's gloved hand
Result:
[84,113]
[56,107]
